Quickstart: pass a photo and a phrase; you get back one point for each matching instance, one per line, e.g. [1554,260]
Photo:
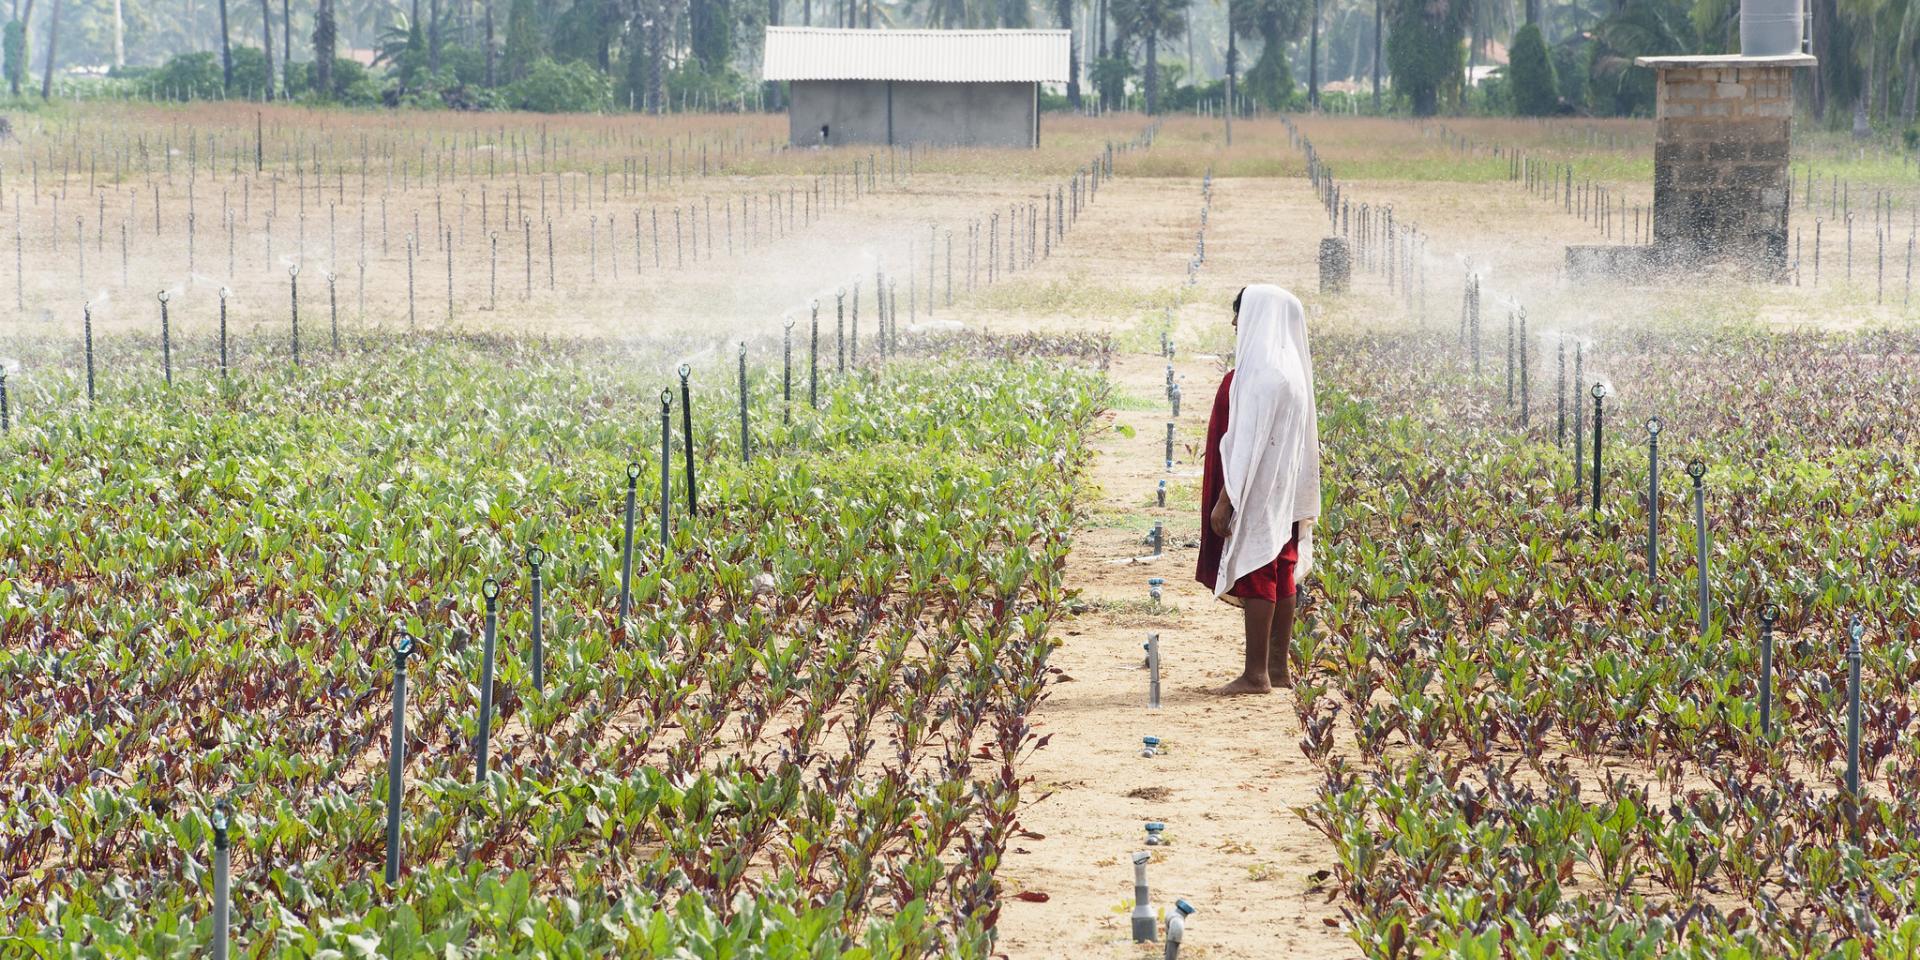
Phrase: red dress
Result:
[1270,581]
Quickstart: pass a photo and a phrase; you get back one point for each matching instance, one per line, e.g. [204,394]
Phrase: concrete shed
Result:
[975,88]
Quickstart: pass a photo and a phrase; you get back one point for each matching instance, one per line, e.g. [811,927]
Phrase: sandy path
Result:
[1233,768]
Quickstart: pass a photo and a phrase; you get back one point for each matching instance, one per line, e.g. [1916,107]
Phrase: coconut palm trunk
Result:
[53,49]
[25,68]
[1313,58]
[266,33]
[226,51]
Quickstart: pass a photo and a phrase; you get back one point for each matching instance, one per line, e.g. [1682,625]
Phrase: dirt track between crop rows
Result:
[1233,769]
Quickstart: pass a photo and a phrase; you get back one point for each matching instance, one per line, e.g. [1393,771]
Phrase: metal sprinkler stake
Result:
[1153,669]
[293,277]
[223,333]
[746,446]
[840,330]
[1769,615]
[1157,538]
[1169,446]
[1854,632]
[1509,359]
[1653,505]
[666,465]
[813,359]
[166,339]
[333,312]
[490,590]
[1579,428]
[686,433]
[86,312]
[1160,494]
[397,753]
[1599,397]
[1560,397]
[1177,928]
[1525,393]
[626,543]
[786,374]
[1697,469]
[1143,926]
[220,818]
[535,557]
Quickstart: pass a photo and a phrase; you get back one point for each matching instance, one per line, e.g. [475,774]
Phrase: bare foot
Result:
[1243,685]
[1280,680]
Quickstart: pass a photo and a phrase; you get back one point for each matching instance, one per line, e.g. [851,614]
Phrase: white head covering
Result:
[1271,450]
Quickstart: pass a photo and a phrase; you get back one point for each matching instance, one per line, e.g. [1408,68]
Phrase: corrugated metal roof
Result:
[941,56]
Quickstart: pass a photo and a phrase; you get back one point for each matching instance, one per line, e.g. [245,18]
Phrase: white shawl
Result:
[1271,451]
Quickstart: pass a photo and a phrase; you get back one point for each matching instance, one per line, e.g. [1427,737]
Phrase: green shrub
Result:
[1270,82]
[551,87]
[249,72]
[1530,72]
[187,76]
[16,51]
[353,85]
[1911,137]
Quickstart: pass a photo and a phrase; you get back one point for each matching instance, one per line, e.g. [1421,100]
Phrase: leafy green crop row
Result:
[1556,762]
[803,742]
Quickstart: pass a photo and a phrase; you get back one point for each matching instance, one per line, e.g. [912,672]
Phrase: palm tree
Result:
[1152,21]
[226,51]
[266,31]
[1313,60]
[15,72]
[324,37]
[1640,28]
[1274,23]
[1063,12]
[53,45]
[286,39]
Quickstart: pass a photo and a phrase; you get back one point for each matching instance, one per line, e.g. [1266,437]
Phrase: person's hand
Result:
[1221,518]
[1304,549]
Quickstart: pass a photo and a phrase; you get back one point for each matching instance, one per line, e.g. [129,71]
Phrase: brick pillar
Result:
[1720,183]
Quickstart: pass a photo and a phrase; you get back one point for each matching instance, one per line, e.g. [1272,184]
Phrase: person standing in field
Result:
[1260,490]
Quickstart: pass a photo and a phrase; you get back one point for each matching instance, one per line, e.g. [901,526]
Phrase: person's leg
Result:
[1253,679]
[1279,668]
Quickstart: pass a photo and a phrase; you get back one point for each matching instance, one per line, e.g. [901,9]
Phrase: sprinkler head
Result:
[490,589]
[1770,614]
[1154,830]
[225,293]
[164,296]
[404,645]
[1185,908]
[1142,857]
[221,816]
[1599,391]
[293,270]
[1151,746]
[666,399]
[1855,630]
[633,471]
[1653,426]
[685,371]
[743,348]
[536,557]
[1697,469]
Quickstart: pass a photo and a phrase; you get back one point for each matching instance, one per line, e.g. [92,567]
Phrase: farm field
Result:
[851,666]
